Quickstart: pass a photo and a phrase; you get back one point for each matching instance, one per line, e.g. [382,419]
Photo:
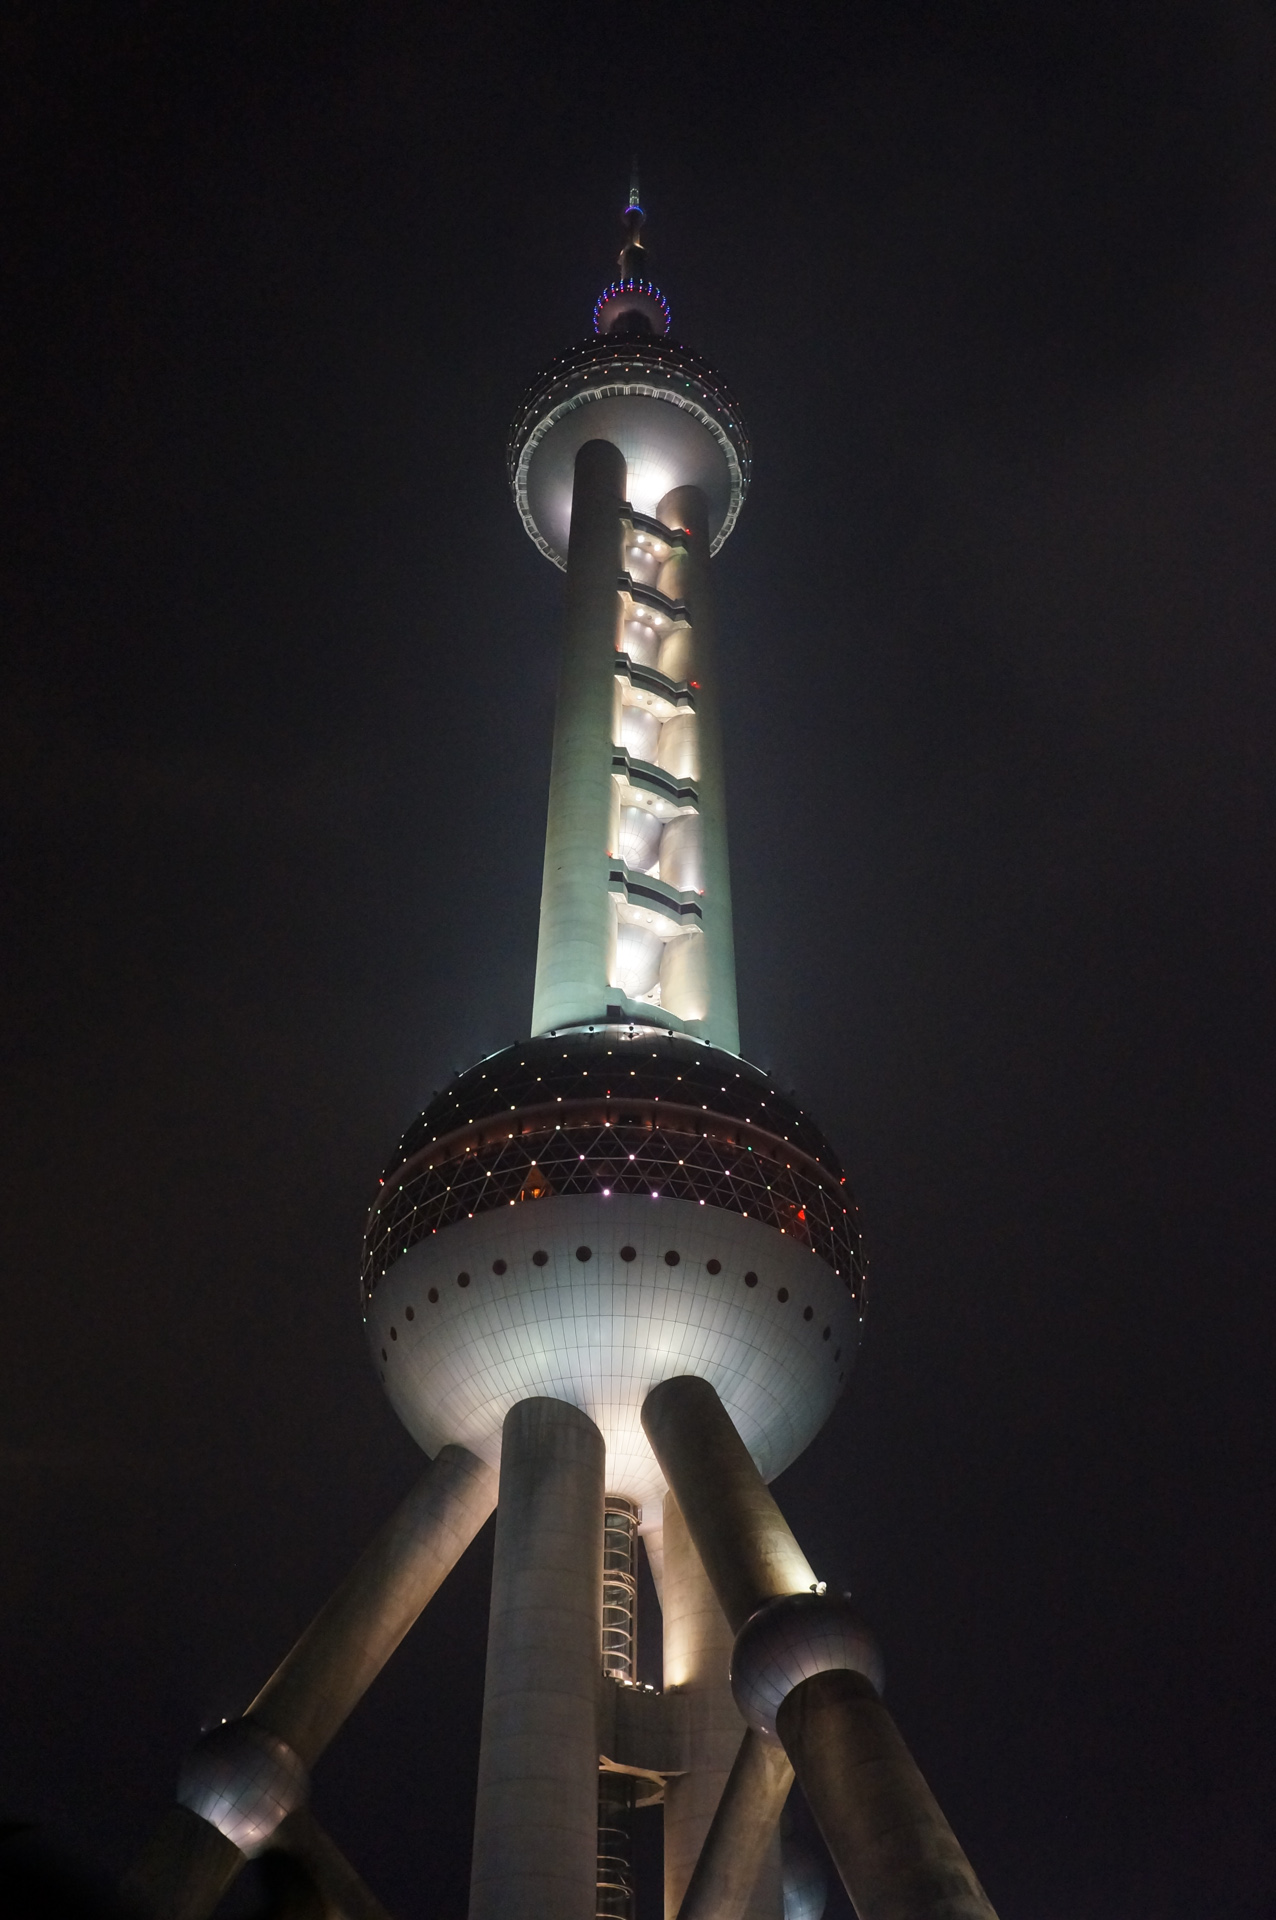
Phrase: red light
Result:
[695,684]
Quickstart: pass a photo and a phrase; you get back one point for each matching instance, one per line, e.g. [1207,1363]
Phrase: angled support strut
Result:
[807,1674]
[243,1780]
[741,1831]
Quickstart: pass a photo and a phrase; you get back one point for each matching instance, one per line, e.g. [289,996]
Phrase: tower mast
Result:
[636,896]
[611,1284]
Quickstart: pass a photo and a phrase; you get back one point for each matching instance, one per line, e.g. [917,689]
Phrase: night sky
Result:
[996,288]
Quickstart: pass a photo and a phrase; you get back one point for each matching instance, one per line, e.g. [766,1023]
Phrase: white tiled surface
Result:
[243,1781]
[792,1640]
[599,1334]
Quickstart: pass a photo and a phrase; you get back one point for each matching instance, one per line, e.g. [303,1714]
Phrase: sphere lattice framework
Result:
[661,404]
[585,1214]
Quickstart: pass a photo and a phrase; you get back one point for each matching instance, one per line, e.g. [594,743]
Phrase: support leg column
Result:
[800,1671]
[243,1779]
[898,1857]
[731,1871]
[536,1824]
[697,1663]
[344,1648]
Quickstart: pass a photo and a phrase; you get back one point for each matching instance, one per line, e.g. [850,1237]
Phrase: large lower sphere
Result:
[470,1320]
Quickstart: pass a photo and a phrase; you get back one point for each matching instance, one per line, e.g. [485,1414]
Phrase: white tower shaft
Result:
[636,900]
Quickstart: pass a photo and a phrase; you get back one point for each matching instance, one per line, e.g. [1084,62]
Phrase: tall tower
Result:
[612,1285]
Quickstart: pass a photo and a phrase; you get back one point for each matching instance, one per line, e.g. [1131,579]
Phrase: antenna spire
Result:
[632,253]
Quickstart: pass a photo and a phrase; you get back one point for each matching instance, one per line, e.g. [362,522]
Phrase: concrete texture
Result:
[572,955]
[743,1833]
[897,1855]
[187,1866]
[183,1870]
[697,1660]
[345,1647]
[742,1538]
[535,1835]
[341,1889]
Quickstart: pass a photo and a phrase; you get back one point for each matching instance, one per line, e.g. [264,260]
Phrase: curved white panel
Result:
[664,445]
[600,1333]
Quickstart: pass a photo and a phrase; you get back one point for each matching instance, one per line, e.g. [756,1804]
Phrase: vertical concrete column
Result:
[687,507]
[654,1542]
[536,1824]
[573,953]
[697,1663]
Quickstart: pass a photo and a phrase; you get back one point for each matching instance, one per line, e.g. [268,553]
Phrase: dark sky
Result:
[996,286]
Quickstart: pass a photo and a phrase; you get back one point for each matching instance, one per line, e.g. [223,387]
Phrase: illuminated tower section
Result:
[612,1285]
[629,464]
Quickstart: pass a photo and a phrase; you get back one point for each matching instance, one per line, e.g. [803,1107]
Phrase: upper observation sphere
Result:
[587,1214]
[661,404]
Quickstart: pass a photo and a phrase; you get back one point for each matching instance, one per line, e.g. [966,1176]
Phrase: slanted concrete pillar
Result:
[574,952]
[743,1539]
[182,1871]
[744,1833]
[697,1663]
[311,1695]
[898,1857]
[241,1780]
[800,1669]
[536,1823]
[344,1894]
